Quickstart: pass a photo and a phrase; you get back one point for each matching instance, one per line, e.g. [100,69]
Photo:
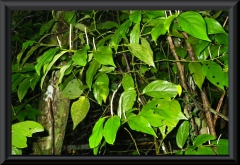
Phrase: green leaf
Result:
[127,82]
[23,88]
[197,73]
[200,47]
[213,73]
[203,138]
[16,151]
[222,146]
[181,52]
[72,89]
[110,129]
[80,57]
[101,89]
[191,152]
[142,52]
[204,150]
[16,80]
[154,119]
[82,27]
[140,124]
[29,53]
[70,16]
[104,56]
[152,104]
[221,39]
[213,26]
[107,25]
[92,70]
[97,133]
[103,40]
[182,134]
[136,16]
[63,70]
[157,31]
[155,13]
[168,21]
[56,57]
[135,34]
[126,101]
[193,23]
[106,69]
[161,89]
[45,58]
[19,140]
[79,110]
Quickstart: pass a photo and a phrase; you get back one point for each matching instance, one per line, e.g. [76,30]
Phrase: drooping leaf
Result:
[110,129]
[197,73]
[72,89]
[104,55]
[97,133]
[79,110]
[23,88]
[213,73]
[101,88]
[203,138]
[56,57]
[155,13]
[80,57]
[135,34]
[205,150]
[169,20]
[221,39]
[161,89]
[45,58]
[34,80]
[154,119]
[63,70]
[182,134]
[213,26]
[193,23]
[127,82]
[19,140]
[136,16]
[143,52]
[201,46]
[16,151]
[29,53]
[70,16]
[140,124]
[157,31]
[103,40]
[222,146]
[92,70]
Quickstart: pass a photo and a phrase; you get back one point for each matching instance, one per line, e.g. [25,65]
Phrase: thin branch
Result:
[133,140]
[218,108]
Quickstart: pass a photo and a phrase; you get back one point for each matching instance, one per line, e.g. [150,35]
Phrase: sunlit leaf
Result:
[213,26]
[97,133]
[182,134]
[127,82]
[154,119]
[135,34]
[101,88]
[203,138]
[136,16]
[92,70]
[110,129]
[104,55]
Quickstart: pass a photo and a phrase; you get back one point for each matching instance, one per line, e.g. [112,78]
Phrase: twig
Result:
[218,108]
[133,140]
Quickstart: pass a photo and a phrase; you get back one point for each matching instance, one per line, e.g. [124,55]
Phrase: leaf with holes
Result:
[193,23]
[213,73]
[182,134]
[197,73]
[97,133]
[101,89]
[110,129]
[72,89]
[79,110]
[140,124]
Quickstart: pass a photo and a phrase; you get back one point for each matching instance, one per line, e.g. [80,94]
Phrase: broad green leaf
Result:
[135,34]
[221,39]
[101,88]
[72,89]
[157,31]
[205,150]
[29,53]
[127,82]
[79,110]
[70,16]
[16,151]
[56,57]
[80,57]
[197,73]
[142,52]
[45,58]
[161,89]
[165,130]
[103,40]
[154,119]
[155,13]
[213,73]
[222,146]
[191,152]
[140,124]
[126,101]
[193,23]
[213,26]
[110,129]
[181,52]
[201,139]
[97,133]
[63,70]
[18,79]
[201,46]
[104,55]
[168,21]
[34,80]
[136,16]
[19,140]
[107,25]
[182,134]
[23,88]
[92,70]
[152,104]
[106,69]
[115,39]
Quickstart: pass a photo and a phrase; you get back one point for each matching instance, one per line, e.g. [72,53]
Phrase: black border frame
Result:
[5,75]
